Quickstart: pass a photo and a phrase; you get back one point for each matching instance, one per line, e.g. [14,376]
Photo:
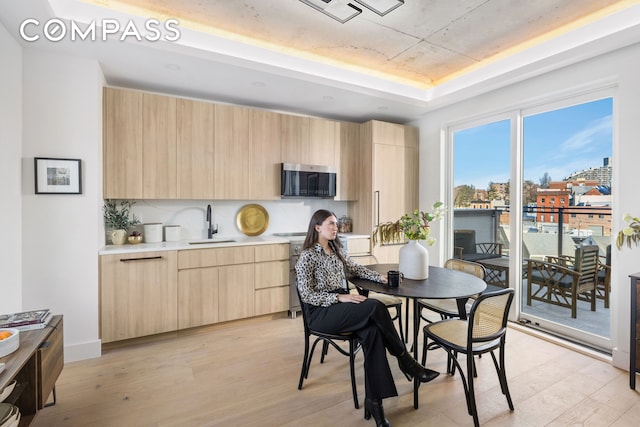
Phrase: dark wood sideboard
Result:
[36,366]
[634,331]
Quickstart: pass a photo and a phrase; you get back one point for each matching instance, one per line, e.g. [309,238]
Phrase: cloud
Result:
[583,140]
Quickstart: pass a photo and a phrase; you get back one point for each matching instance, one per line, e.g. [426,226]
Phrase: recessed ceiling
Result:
[283,55]
[422,43]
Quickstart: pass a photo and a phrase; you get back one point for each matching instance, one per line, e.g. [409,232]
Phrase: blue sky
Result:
[558,142]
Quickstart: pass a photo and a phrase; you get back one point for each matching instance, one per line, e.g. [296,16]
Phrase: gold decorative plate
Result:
[252,219]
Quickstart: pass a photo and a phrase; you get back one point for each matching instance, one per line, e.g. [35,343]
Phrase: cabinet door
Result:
[122,145]
[348,161]
[195,127]
[197,297]
[236,292]
[231,152]
[138,294]
[159,147]
[295,139]
[323,138]
[264,155]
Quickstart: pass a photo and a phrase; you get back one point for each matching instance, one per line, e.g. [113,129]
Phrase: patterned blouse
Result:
[321,276]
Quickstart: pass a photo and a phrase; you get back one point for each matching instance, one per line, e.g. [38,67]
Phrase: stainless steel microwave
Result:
[307,180]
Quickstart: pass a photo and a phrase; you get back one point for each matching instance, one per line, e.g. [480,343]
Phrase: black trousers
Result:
[371,323]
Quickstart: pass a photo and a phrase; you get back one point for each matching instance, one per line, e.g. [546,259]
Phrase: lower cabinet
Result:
[222,284]
[149,293]
[138,294]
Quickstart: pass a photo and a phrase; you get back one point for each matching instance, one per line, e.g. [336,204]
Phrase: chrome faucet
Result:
[210,230]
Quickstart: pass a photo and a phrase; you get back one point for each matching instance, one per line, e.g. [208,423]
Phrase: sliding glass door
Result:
[559,157]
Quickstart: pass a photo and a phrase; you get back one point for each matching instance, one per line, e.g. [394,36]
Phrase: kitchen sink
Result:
[210,241]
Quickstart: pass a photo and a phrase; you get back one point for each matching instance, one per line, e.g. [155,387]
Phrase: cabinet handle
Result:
[140,259]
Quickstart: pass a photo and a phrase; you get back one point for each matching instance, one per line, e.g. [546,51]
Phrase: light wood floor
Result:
[246,374]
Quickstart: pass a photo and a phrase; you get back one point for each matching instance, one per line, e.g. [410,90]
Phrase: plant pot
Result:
[414,261]
[118,237]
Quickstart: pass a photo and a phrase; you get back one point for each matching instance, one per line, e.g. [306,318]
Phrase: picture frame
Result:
[58,176]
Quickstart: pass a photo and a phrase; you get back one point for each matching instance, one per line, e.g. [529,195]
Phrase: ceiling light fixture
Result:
[340,10]
[381,7]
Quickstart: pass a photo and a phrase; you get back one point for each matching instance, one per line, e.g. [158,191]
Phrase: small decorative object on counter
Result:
[345,225]
[135,237]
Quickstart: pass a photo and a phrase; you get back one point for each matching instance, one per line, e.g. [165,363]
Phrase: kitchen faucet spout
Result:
[210,230]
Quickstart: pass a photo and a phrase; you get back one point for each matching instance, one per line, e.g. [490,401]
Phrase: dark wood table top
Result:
[442,283]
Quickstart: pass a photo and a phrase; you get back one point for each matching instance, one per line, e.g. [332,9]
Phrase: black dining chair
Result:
[484,332]
[326,340]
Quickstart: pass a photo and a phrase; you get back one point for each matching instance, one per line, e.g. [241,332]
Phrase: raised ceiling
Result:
[284,55]
[421,43]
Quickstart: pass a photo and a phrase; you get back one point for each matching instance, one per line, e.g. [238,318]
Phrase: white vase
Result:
[414,261]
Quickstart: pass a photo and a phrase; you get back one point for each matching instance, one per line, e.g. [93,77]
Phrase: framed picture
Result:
[58,176]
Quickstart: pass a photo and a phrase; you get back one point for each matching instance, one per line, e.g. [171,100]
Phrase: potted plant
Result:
[414,258]
[119,219]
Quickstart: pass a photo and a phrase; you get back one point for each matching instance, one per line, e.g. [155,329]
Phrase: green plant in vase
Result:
[119,218]
[414,227]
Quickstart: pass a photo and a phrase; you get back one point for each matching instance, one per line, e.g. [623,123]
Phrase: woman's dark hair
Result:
[312,235]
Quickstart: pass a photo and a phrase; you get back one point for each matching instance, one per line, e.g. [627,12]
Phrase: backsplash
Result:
[284,215]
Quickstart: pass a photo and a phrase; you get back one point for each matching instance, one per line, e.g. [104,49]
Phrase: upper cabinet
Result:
[139,145]
[195,149]
[294,143]
[159,147]
[162,147]
[122,147]
[265,133]
[324,137]
[231,158]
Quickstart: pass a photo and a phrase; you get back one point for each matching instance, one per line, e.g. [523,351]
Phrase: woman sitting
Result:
[332,309]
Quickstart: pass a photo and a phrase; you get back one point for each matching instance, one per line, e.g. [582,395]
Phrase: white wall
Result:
[620,67]
[61,234]
[10,152]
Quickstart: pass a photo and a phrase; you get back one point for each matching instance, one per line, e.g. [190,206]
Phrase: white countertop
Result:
[217,242]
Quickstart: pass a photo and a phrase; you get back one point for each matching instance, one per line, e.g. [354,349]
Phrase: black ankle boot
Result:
[411,369]
[374,407]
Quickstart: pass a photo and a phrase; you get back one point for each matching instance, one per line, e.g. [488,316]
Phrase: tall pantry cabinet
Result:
[388,178]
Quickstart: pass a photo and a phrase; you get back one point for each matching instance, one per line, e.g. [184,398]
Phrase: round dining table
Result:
[442,283]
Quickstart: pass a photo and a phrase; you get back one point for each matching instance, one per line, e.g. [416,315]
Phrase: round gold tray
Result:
[252,219]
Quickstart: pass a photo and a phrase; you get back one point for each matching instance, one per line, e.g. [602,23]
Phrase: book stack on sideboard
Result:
[26,320]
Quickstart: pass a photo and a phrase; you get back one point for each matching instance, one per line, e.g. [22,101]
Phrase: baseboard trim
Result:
[82,351]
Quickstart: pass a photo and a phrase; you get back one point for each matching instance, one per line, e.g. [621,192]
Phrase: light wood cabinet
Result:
[271,279]
[324,137]
[195,131]
[138,294]
[347,161]
[122,147]
[388,178]
[264,155]
[232,145]
[162,147]
[139,145]
[295,139]
[215,285]
[159,147]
